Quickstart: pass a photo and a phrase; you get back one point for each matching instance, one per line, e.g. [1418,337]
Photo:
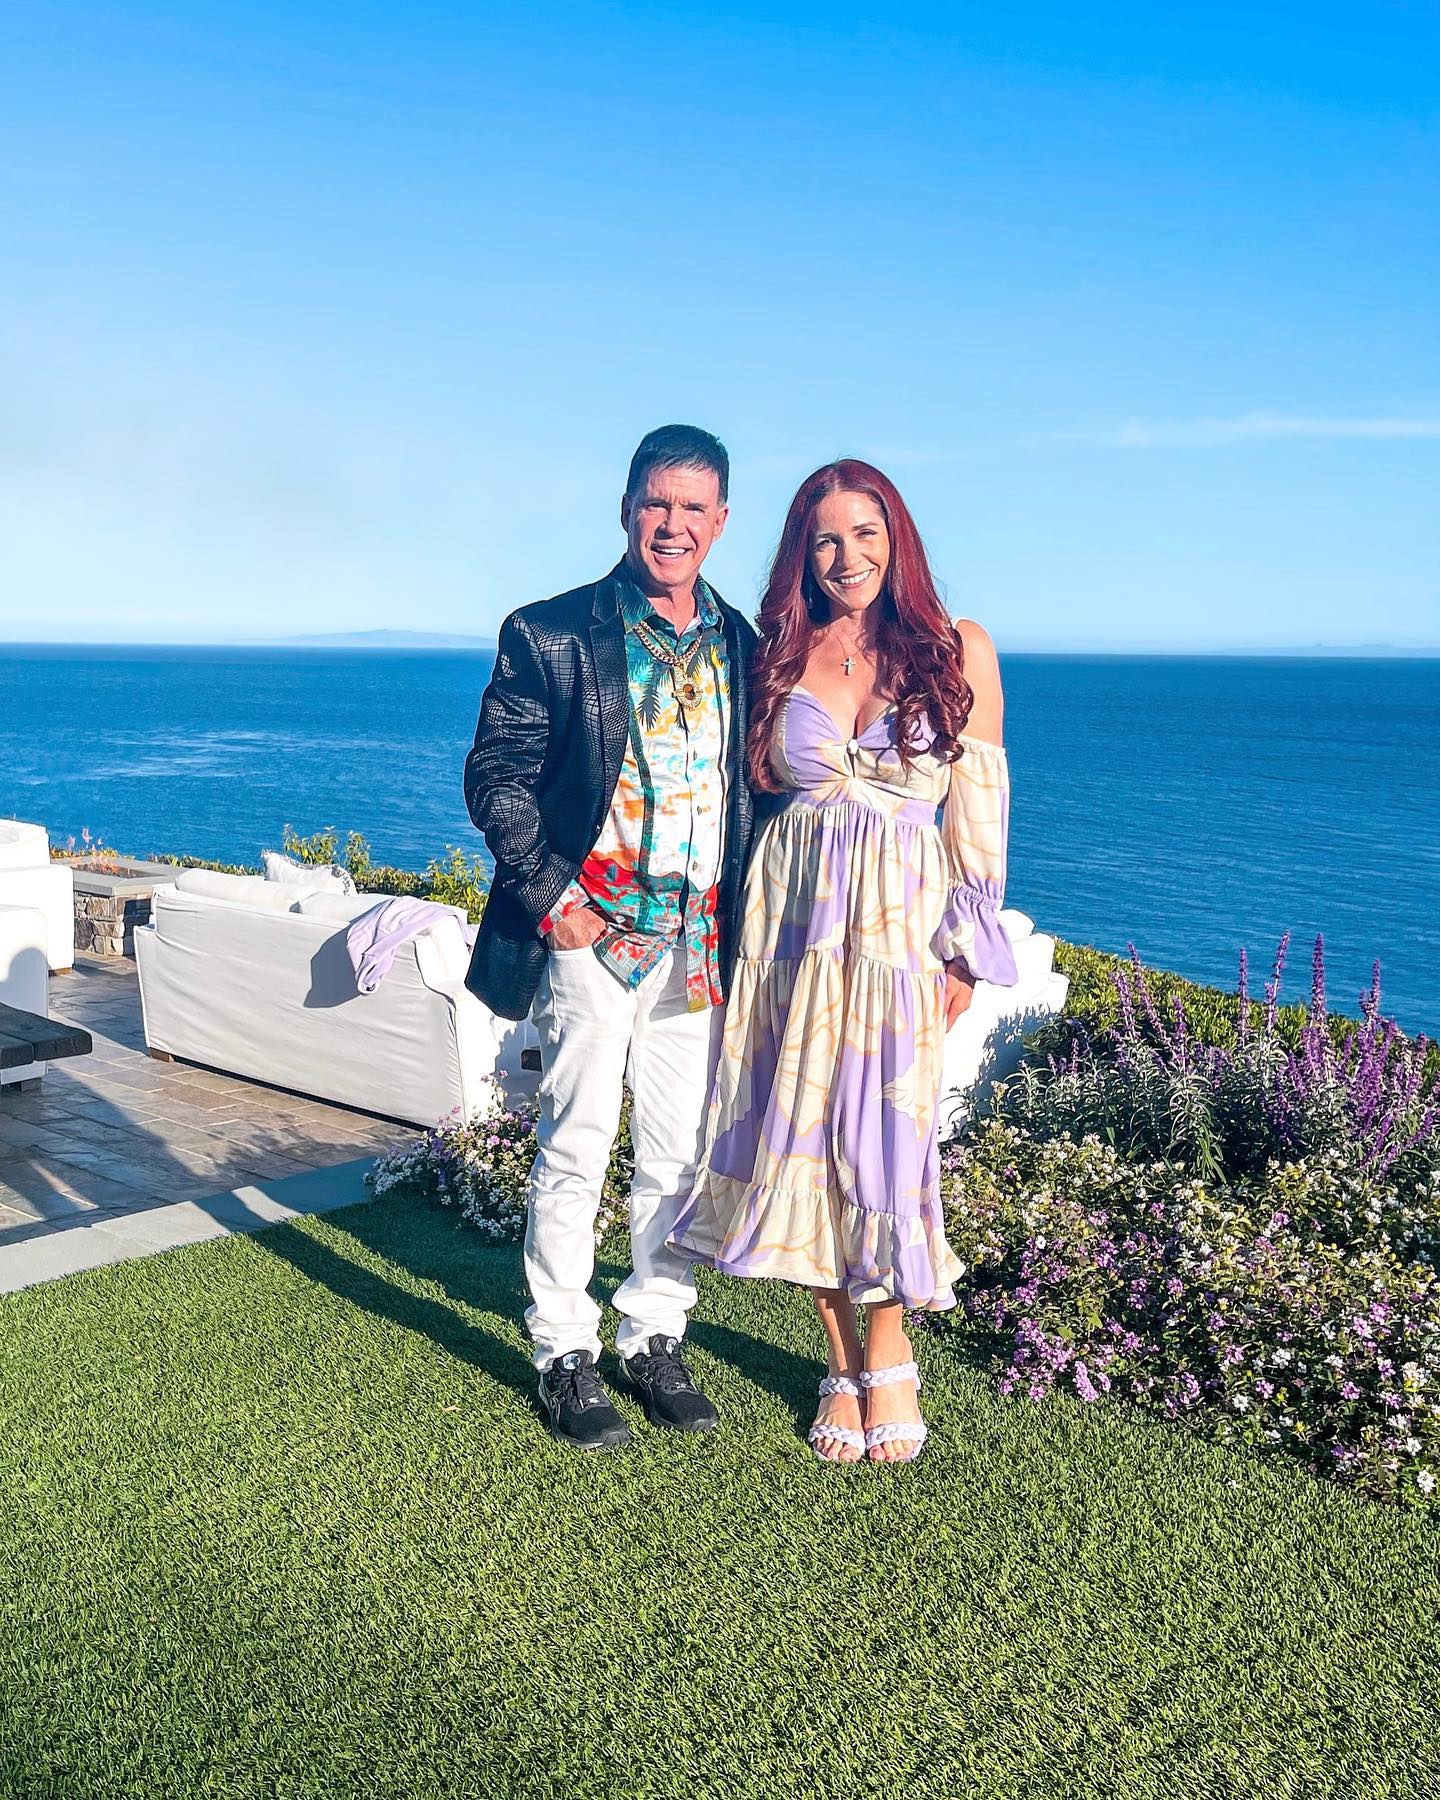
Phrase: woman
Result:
[870,914]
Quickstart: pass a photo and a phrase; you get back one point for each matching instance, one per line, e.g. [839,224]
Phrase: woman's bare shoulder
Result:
[982,671]
[977,641]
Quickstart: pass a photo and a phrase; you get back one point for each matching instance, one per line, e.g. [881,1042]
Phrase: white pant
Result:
[594,1031]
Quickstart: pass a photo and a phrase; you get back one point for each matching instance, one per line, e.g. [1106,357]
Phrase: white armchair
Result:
[28,878]
[23,975]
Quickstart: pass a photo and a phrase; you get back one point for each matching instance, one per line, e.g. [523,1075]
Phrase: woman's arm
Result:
[971,941]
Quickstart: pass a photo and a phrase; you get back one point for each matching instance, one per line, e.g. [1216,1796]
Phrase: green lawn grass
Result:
[280,1520]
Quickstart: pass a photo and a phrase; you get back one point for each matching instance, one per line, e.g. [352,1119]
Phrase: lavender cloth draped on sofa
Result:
[374,939]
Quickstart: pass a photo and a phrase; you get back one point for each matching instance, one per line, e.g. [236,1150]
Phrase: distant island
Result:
[389,640]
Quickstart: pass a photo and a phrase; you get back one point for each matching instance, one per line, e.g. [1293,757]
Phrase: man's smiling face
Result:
[670,522]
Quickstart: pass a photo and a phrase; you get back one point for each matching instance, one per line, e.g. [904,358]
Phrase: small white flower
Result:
[1280,1358]
[1425,1481]
[1412,1444]
[1241,1403]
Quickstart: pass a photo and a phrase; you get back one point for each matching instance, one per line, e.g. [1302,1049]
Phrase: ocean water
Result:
[1188,805]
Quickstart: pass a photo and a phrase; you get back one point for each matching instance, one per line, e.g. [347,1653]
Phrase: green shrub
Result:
[199,862]
[1212,1015]
[1210,1012]
[457,880]
[1154,1088]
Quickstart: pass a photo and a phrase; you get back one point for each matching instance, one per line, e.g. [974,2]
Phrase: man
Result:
[608,778]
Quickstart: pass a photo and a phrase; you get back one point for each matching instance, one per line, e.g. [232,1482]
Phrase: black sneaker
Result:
[666,1389]
[579,1409]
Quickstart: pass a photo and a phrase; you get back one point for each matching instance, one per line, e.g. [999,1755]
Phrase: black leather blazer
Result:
[539,780]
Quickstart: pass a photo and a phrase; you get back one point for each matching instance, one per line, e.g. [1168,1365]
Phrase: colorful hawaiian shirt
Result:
[655,869]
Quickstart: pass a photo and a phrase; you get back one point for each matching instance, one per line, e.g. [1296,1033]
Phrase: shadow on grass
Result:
[490,1285]
[431,1245]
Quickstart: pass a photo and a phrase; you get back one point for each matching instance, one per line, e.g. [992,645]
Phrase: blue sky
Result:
[322,317]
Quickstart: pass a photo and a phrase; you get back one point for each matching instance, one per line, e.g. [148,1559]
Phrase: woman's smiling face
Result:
[849,551]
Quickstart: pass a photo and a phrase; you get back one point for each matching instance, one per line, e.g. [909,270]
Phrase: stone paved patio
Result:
[117,1154]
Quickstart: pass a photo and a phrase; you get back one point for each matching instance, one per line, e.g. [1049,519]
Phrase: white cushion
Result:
[23,846]
[340,909]
[317,877]
[236,890]
[343,909]
[215,885]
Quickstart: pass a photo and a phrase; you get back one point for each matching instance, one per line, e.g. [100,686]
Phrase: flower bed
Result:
[1243,1234]
[1268,1312]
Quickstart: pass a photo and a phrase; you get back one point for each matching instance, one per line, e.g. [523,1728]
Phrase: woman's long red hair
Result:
[920,655]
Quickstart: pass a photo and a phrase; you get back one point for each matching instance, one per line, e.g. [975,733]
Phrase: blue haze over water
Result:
[1191,805]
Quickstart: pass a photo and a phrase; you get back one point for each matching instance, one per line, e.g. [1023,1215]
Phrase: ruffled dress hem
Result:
[816,1240]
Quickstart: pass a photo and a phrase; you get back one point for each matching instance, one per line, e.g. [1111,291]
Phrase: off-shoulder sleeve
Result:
[974,824]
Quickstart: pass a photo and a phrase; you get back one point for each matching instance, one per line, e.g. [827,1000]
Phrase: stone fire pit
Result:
[112,897]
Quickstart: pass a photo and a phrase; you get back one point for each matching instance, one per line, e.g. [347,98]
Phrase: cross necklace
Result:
[847,663]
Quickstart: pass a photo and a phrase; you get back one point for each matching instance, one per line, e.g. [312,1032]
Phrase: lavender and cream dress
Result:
[821,1164]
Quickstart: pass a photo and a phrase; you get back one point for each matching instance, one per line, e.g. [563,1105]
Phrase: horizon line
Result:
[1381,651]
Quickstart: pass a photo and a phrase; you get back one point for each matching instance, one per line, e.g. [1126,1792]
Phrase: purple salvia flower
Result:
[1243,992]
[1423,1132]
[1181,1040]
[1147,999]
[1272,989]
[1367,1084]
[1370,1002]
[1412,1062]
[1127,1006]
[1377,1159]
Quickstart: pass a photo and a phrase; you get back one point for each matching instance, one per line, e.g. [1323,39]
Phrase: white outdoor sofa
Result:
[29,878]
[253,978]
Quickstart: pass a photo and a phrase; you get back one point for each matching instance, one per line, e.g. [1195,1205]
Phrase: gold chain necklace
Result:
[681,666]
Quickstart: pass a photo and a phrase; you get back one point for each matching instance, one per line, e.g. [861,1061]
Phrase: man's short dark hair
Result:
[680,447]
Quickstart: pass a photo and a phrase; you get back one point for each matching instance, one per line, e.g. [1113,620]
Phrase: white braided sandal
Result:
[821,1433]
[902,1431]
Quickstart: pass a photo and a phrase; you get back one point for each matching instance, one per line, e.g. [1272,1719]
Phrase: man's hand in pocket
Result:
[577,930]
